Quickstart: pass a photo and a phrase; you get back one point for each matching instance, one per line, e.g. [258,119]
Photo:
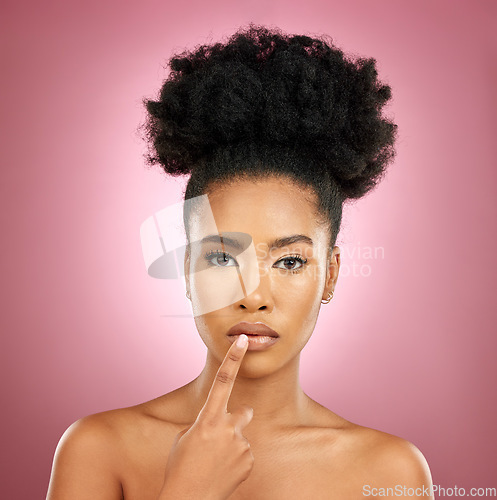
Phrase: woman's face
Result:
[236,273]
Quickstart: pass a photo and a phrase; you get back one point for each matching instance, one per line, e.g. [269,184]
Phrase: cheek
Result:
[214,289]
[302,288]
[296,293]
[207,325]
[299,296]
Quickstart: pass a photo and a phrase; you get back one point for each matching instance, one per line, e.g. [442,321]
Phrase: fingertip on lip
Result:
[242,340]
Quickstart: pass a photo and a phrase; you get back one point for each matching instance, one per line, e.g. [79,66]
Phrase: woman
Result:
[277,133]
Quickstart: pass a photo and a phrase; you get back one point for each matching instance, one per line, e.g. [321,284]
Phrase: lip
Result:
[260,336]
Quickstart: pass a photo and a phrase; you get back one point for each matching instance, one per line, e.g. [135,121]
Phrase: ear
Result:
[332,272]
[186,268]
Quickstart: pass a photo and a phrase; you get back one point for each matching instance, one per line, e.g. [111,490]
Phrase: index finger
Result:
[217,400]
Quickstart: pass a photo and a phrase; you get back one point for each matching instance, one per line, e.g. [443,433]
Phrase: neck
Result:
[277,398]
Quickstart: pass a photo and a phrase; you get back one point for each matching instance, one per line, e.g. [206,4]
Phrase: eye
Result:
[220,258]
[291,263]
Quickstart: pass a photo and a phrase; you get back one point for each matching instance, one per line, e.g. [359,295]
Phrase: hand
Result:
[209,459]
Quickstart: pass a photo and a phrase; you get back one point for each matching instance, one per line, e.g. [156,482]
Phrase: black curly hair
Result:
[266,103]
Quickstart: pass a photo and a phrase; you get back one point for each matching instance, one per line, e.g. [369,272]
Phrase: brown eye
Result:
[291,262]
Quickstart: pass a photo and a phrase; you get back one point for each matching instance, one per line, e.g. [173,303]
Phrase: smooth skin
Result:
[300,449]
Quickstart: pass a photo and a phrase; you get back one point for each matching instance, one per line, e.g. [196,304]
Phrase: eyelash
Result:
[303,262]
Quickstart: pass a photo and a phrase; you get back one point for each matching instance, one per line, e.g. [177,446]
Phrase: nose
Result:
[261,298]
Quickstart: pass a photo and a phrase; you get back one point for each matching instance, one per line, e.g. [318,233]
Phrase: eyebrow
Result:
[277,243]
[290,240]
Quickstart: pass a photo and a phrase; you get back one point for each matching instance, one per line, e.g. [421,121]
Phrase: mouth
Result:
[252,329]
[260,336]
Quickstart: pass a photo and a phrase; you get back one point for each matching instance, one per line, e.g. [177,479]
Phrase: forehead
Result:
[263,209]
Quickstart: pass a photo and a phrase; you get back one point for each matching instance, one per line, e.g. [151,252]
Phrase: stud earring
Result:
[328,299]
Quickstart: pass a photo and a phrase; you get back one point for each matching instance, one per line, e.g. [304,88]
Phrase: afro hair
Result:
[264,95]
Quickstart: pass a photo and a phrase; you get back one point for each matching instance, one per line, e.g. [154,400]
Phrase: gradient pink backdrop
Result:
[409,349]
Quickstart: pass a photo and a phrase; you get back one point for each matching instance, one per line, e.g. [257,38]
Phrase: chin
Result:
[256,369]
[261,364]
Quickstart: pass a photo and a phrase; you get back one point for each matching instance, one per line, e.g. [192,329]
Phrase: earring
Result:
[327,301]
[188,295]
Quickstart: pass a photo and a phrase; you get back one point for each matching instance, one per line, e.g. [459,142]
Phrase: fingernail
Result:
[242,340]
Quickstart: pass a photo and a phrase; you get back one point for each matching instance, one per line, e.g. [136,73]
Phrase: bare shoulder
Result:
[93,434]
[117,426]
[96,452]
[119,432]
[99,431]
[389,463]
[84,464]
[371,462]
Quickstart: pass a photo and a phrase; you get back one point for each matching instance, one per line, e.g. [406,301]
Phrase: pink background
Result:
[407,345]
